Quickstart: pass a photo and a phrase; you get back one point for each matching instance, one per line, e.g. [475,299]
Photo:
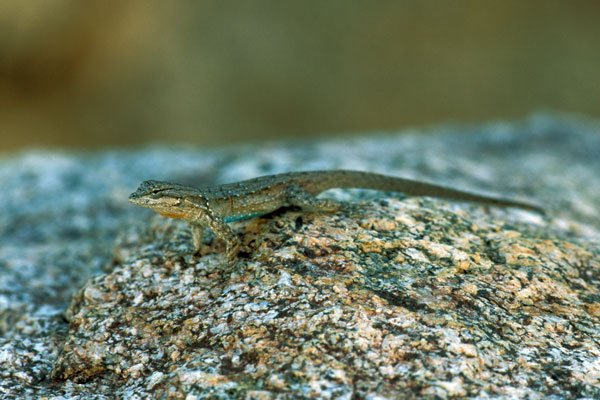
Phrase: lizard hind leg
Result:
[296,196]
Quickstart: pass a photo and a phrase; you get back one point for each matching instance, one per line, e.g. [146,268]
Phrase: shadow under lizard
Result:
[215,206]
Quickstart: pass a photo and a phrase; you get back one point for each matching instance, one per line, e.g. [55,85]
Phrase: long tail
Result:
[368,180]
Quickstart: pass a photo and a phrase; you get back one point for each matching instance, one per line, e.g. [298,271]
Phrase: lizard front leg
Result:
[220,229]
[207,217]
[223,231]
[197,234]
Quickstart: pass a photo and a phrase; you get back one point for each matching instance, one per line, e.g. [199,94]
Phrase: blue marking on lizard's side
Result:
[234,218]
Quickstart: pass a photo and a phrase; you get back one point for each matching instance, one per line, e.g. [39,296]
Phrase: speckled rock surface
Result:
[406,298]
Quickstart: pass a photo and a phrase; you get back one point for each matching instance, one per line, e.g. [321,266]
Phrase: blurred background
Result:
[98,73]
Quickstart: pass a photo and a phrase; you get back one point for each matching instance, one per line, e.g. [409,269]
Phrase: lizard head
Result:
[168,199]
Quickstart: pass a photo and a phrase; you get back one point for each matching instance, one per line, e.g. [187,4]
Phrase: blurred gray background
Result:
[100,73]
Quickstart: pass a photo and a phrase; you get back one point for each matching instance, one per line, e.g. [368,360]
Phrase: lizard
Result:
[215,206]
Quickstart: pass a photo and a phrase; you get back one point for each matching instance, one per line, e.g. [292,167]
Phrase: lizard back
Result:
[315,182]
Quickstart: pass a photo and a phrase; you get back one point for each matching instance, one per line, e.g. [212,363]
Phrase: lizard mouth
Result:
[134,199]
[142,201]
[153,204]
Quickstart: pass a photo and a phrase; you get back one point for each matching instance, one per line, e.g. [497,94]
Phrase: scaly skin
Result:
[214,206]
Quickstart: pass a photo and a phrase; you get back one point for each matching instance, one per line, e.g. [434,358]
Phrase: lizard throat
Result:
[171,215]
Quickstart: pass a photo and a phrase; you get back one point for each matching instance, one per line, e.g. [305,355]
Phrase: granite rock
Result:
[402,298]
